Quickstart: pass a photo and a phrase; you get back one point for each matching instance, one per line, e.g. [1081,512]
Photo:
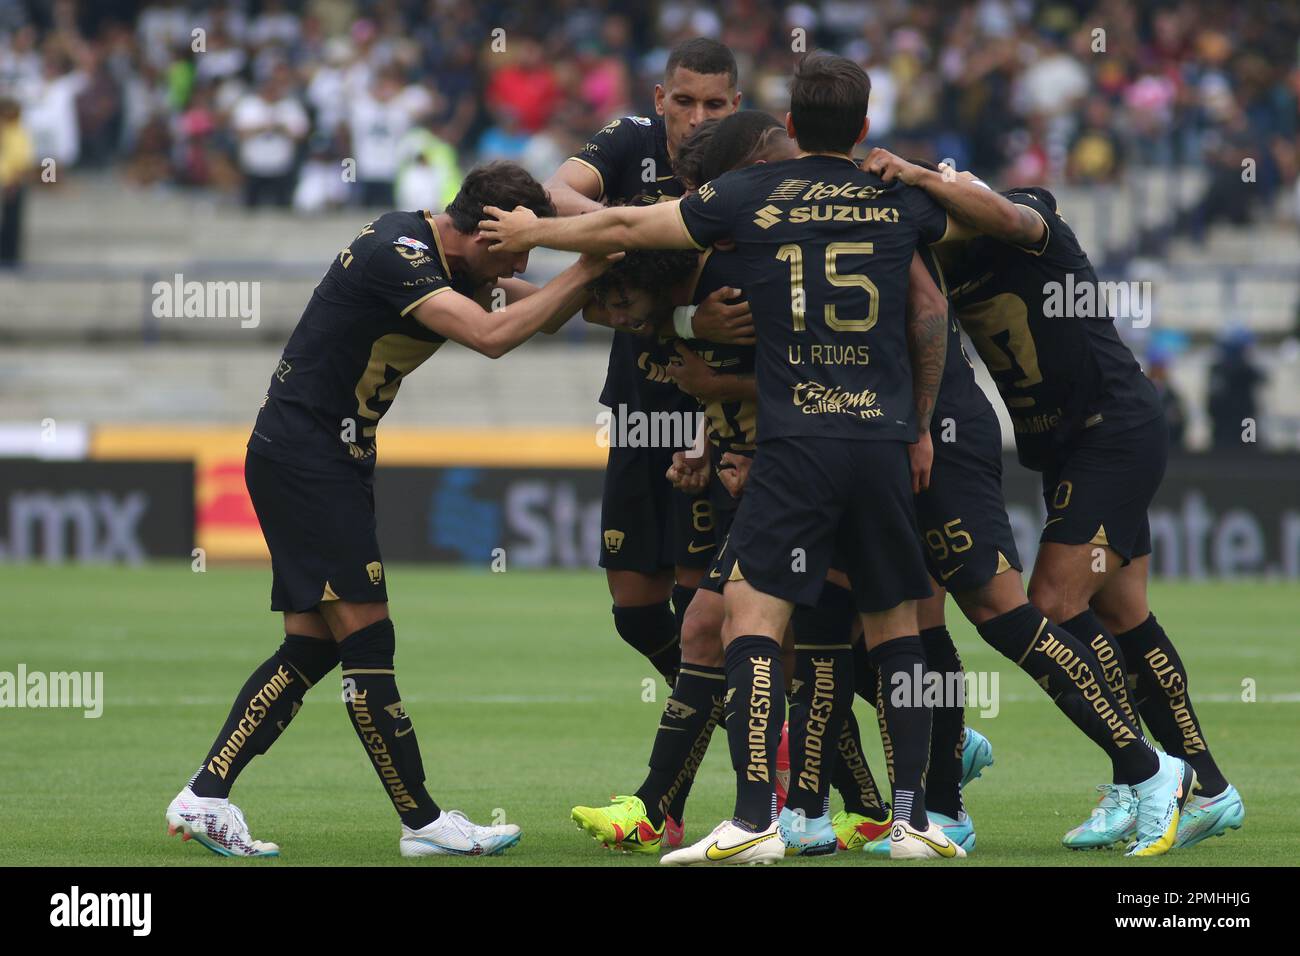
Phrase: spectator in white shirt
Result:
[270,124]
[378,121]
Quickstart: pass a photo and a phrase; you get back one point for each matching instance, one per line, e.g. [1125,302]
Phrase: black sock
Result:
[864,674]
[685,728]
[381,722]
[1071,675]
[943,782]
[904,723]
[682,596]
[1087,627]
[755,711]
[262,710]
[821,695]
[1163,700]
[652,632]
[852,777]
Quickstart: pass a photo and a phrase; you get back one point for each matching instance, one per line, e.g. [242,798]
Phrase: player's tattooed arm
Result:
[611,230]
[966,198]
[575,188]
[927,343]
[494,333]
[927,338]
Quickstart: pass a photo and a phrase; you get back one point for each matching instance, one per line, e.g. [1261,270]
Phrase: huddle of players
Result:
[847,373]
[1084,416]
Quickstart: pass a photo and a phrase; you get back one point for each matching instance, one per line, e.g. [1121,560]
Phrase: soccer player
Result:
[828,253]
[655,541]
[641,294]
[1090,422]
[407,284]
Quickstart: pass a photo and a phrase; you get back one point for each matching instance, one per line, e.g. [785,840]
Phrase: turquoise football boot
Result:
[960,831]
[976,754]
[807,836]
[1113,820]
[1204,817]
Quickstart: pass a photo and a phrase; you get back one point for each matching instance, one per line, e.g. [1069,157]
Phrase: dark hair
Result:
[702,55]
[502,184]
[690,155]
[654,270]
[828,99]
[738,140]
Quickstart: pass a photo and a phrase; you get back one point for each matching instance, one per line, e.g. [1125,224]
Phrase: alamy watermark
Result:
[179,299]
[622,428]
[922,688]
[1084,299]
[83,690]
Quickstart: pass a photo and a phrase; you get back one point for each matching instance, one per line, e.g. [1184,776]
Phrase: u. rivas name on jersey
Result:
[814,398]
[830,354]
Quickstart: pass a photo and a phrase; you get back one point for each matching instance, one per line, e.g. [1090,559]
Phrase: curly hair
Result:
[651,270]
[502,184]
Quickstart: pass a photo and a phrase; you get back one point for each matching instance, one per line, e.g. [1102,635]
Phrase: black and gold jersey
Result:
[630,155]
[353,345]
[732,425]
[823,250]
[960,397]
[1057,370]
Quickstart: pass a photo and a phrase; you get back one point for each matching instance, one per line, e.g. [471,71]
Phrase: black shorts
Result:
[646,524]
[806,495]
[963,515]
[320,529]
[723,504]
[1099,489]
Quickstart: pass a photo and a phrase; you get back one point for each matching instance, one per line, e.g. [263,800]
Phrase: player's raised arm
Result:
[966,198]
[611,230]
[494,333]
[575,188]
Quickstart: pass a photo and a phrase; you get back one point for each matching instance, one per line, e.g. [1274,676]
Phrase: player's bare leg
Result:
[366,644]
[1159,691]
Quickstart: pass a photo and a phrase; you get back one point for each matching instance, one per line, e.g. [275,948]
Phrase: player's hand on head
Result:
[717,319]
[733,472]
[507,230]
[921,457]
[690,475]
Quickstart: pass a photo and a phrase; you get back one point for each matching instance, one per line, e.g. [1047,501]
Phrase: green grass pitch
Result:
[525,701]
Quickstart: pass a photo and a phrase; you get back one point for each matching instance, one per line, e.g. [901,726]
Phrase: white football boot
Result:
[215,823]
[453,834]
[730,845]
[908,843]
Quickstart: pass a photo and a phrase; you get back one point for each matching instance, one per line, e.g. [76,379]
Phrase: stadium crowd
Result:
[268,99]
